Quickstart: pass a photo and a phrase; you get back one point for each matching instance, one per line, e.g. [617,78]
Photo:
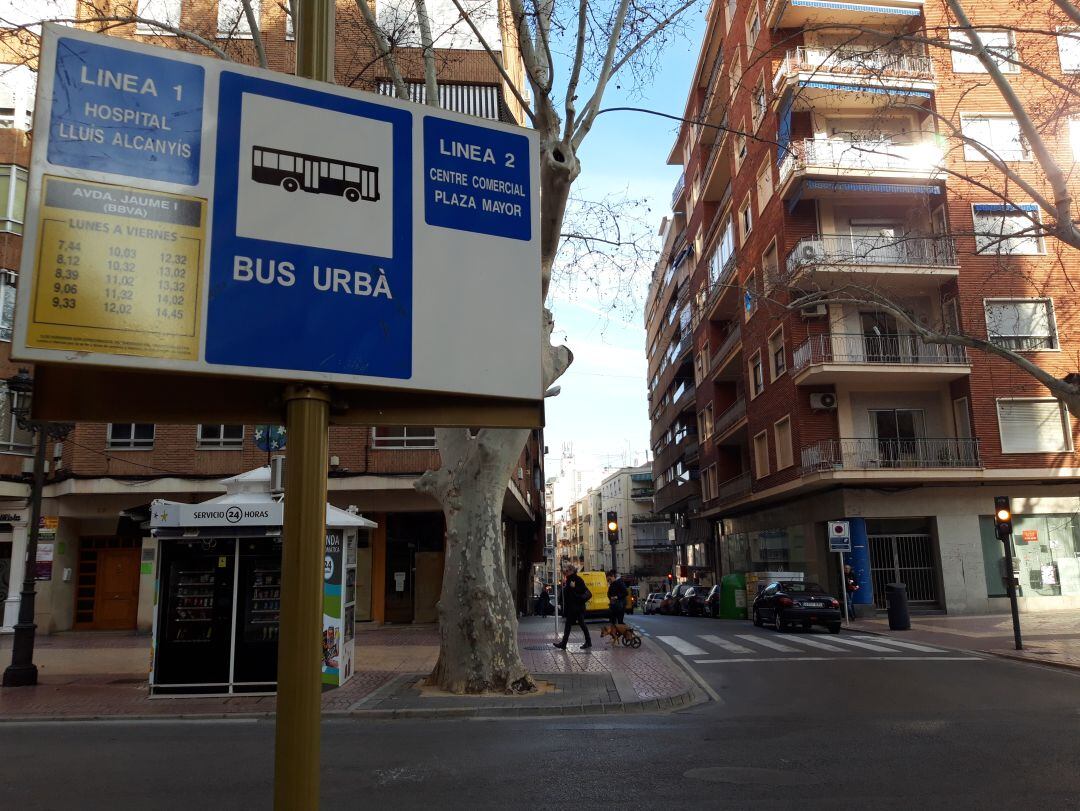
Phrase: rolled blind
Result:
[1031,426]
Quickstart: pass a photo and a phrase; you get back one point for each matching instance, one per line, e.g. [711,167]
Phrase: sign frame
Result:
[194,391]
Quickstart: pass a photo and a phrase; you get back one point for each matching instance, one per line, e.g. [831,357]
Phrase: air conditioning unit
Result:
[814,311]
[811,251]
[823,402]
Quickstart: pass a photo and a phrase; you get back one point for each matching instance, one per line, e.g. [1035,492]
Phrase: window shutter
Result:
[1032,426]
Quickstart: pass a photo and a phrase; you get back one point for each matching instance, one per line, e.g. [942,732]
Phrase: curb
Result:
[1018,657]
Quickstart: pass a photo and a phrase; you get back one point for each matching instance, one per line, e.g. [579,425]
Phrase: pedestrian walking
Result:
[575,596]
[544,603]
[851,586]
[617,594]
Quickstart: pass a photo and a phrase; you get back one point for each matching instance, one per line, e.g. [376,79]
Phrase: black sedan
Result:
[712,603]
[782,605]
[692,603]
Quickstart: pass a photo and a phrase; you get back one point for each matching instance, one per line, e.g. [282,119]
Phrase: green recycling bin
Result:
[733,597]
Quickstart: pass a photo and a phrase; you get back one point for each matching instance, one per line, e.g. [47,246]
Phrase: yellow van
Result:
[598,606]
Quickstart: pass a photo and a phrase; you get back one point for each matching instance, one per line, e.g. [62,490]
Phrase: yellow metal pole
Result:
[307,421]
[296,751]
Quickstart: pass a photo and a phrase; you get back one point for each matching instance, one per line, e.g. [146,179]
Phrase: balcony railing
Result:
[734,488]
[731,415]
[867,155]
[648,518]
[876,349]
[733,337]
[915,250]
[685,388]
[680,184]
[872,62]
[869,453]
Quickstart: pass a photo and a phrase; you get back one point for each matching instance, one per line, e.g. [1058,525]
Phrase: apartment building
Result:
[844,149]
[98,565]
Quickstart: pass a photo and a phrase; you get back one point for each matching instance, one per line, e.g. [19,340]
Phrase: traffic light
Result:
[612,526]
[1003,526]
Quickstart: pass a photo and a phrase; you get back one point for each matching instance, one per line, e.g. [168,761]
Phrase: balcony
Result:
[723,356]
[716,183]
[723,300]
[680,187]
[840,358]
[684,446]
[875,258]
[734,415]
[676,493]
[872,454]
[648,518]
[828,167]
[733,489]
[884,14]
[881,74]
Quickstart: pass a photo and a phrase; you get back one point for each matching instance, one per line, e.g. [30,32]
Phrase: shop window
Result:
[782,437]
[12,198]
[1022,325]
[761,454]
[130,436]
[1000,47]
[232,21]
[166,12]
[408,437]
[1045,555]
[1034,425]
[221,436]
[1008,229]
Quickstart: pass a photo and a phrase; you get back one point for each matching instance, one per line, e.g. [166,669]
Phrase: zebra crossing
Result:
[765,646]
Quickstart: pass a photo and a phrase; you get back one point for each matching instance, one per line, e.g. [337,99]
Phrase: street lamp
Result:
[22,672]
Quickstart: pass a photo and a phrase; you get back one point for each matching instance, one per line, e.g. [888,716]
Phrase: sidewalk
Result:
[1051,638]
[86,675]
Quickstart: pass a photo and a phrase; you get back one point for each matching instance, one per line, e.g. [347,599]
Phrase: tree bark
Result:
[477,618]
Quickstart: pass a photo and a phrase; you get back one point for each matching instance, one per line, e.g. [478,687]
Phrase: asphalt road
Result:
[805,727]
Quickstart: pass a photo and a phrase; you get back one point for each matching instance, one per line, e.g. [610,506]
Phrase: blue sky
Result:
[602,409]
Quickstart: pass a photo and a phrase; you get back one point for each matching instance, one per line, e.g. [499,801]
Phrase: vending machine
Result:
[339,606]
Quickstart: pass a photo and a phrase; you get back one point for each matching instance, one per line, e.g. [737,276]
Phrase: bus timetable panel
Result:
[293,170]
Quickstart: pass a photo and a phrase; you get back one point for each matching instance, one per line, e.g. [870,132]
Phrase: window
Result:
[7,303]
[405,436]
[17,87]
[764,183]
[770,268]
[1074,137]
[290,26]
[757,102]
[736,78]
[997,134]
[782,438]
[757,377]
[13,439]
[161,11]
[130,436]
[761,454]
[12,198]
[740,150]
[1007,229]
[732,5]
[753,29]
[777,354]
[1000,47]
[1069,50]
[1033,425]
[1023,325]
[751,294]
[221,436]
[231,19]
[746,220]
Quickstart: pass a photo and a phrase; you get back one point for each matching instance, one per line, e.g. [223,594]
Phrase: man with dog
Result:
[575,596]
[617,594]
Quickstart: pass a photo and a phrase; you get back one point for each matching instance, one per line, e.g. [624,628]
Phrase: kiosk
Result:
[218,591]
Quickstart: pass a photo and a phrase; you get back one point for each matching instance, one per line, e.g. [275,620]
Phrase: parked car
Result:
[712,602]
[784,604]
[674,604]
[669,604]
[692,603]
[652,602]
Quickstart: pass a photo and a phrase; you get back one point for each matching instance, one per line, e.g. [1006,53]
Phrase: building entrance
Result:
[905,559]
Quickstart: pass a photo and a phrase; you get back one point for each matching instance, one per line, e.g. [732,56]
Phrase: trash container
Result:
[896,601]
[733,596]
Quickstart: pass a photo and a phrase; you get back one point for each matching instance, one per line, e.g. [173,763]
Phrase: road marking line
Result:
[726,644]
[865,645]
[900,644]
[802,640]
[699,679]
[841,659]
[768,643]
[682,646]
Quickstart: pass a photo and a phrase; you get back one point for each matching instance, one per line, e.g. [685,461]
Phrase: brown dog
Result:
[616,632]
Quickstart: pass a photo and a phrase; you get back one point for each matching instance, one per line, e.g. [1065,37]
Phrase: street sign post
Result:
[206,242]
[840,542]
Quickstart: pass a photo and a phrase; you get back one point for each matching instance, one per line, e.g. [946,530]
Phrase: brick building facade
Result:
[842,150]
[103,477]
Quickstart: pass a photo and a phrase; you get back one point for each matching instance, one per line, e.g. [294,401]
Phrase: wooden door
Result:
[116,606]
